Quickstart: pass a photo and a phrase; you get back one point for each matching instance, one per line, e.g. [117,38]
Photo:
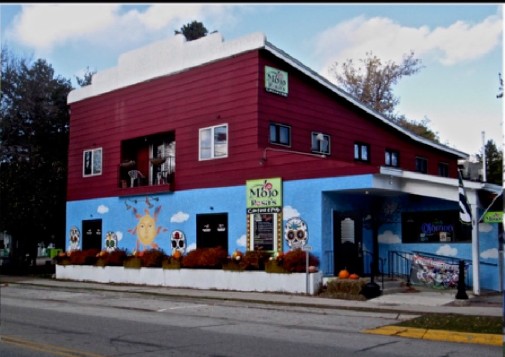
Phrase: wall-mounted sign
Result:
[264,195]
[276,81]
[493,217]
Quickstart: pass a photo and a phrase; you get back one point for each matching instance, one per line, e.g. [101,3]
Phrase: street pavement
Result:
[410,301]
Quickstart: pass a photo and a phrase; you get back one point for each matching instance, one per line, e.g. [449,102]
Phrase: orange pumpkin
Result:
[354,276]
[177,254]
[343,274]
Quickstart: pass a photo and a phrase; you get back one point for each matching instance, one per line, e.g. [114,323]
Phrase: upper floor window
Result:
[92,162]
[280,134]
[320,143]
[443,169]
[421,165]
[361,152]
[213,142]
[147,160]
[392,158]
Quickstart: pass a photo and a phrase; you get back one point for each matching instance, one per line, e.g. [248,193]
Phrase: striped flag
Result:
[465,214]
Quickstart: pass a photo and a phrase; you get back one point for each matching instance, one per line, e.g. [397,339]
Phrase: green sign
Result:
[264,195]
[493,217]
[276,81]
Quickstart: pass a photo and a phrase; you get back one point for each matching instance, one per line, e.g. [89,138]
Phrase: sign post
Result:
[307,249]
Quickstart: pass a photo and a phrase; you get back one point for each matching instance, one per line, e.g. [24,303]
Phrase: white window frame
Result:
[209,134]
[318,141]
[94,166]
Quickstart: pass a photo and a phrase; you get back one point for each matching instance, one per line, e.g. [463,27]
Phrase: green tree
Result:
[85,80]
[34,123]
[494,163]
[371,82]
[193,31]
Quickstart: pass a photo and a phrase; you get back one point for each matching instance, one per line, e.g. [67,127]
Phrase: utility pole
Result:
[484,165]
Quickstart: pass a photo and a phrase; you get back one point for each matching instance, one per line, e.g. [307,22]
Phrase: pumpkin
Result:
[177,254]
[343,274]
[354,276]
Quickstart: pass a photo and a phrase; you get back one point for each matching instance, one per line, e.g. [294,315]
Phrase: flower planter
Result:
[218,279]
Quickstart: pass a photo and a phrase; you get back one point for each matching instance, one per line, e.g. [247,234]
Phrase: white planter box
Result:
[207,279]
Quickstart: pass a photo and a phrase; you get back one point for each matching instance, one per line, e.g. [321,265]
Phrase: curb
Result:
[438,335]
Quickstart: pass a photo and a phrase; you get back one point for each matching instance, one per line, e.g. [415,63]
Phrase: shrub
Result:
[114,258]
[294,261]
[170,262]
[208,258]
[78,257]
[152,258]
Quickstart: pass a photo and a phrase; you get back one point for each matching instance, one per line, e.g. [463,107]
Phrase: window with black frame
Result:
[280,134]
[433,227]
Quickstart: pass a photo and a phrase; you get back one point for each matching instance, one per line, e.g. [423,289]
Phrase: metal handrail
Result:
[399,265]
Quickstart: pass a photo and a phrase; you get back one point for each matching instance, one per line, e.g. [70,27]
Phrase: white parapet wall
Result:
[207,279]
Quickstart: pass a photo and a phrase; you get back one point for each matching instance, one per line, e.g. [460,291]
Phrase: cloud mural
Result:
[191,247]
[242,241]
[485,227]
[289,212]
[447,251]
[102,209]
[388,237]
[490,254]
[179,217]
[119,235]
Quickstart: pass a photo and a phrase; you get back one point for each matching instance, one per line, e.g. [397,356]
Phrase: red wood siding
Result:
[231,91]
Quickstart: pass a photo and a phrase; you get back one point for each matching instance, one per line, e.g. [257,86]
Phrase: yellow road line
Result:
[438,335]
[44,347]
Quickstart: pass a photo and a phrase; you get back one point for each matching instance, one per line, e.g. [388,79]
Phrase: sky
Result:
[460,46]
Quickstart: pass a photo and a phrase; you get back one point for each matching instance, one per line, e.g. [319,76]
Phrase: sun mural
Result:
[146,229]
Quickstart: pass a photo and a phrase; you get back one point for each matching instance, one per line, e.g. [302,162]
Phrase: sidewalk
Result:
[410,303]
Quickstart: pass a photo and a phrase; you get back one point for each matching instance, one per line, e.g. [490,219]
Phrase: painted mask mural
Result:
[296,233]
[111,242]
[75,237]
[178,241]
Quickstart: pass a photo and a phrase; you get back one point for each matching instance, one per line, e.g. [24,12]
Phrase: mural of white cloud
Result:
[289,212]
[447,251]
[191,247]
[119,235]
[490,254]
[241,242]
[485,227]
[388,237]
[179,217]
[102,209]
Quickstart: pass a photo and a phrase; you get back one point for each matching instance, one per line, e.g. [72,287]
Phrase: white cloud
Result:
[242,241]
[485,227]
[490,254]
[191,247]
[388,237]
[289,212]
[447,251]
[119,235]
[389,40]
[102,209]
[44,27]
[179,217]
